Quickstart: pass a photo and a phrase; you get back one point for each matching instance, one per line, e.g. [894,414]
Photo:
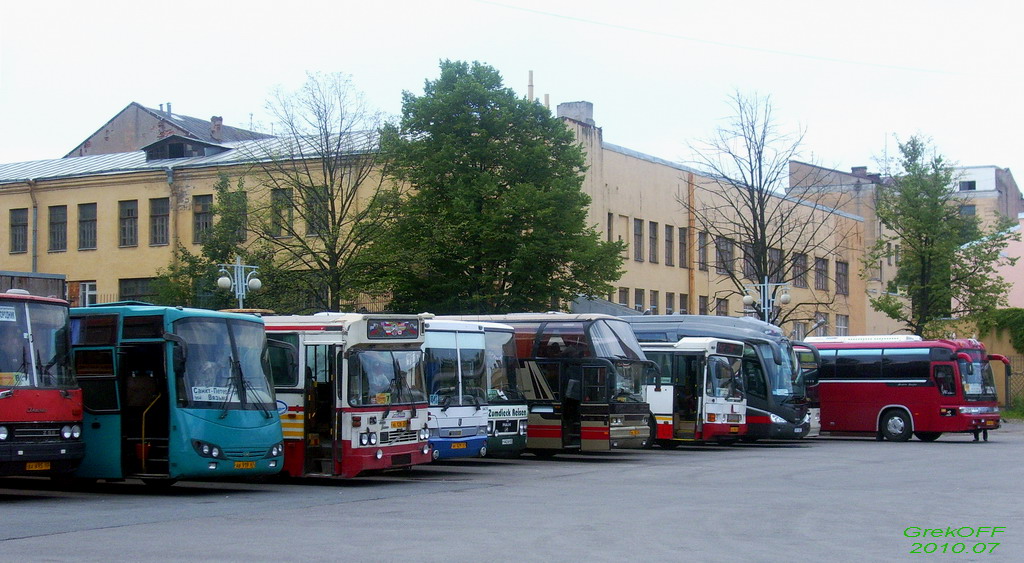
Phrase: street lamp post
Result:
[766,297]
[239,277]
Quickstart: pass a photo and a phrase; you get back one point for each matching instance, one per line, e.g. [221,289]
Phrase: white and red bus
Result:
[357,401]
[40,401]
[895,387]
[698,394]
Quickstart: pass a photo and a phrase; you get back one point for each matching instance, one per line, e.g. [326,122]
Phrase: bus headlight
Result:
[373,438]
[424,434]
[206,450]
[364,439]
[65,432]
[615,421]
[3,433]
[490,428]
[776,419]
[276,450]
[76,431]
[522,428]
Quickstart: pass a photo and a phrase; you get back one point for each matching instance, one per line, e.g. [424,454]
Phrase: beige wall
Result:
[627,186]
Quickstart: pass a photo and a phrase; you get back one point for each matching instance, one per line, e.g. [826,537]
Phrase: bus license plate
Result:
[458,445]
[37,466]
[634,432]
[506,441]
[245,465]
[403,424]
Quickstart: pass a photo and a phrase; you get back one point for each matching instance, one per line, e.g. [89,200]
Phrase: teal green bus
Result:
[172,393]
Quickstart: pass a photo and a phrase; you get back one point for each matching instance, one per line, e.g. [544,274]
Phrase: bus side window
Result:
[944,380]
[754,379]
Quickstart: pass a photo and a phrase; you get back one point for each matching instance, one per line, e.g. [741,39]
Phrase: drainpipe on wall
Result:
[173,211]
[35,225]
[691,236]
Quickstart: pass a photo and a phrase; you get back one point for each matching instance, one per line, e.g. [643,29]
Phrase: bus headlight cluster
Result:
[368,439]
[776,419]
[276,450]
[490,428]
[616,421]
[522,428]
[207,450]
[424,434]
[72,431]
[4,433]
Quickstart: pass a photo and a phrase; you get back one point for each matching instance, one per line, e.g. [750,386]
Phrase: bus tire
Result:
[927,436]
[159,484]
[668,444]
[652,425]
[749,439]
[896,426]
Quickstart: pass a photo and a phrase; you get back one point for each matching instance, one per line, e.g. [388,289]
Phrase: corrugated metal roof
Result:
[121,163]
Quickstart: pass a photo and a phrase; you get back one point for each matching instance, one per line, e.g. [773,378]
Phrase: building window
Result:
[799,331]
[652,232]
[821,320]
[318,210]
[842,278]
[702,251]
[655,299]
[821,274]
[774,265]
[722,307]
[896,254]
[968,185]
[967,210]
[638,299]
[86,226]
[609,227]
[87,293]
[670,251]
[202,217]
[723,255]
[128,223]
[58,228]
[624,296]
[638,240]
[670,303]
[159,221]
[684,304]
[138,289]
[842,325]
[749,262]
[702,305]
[683,246]
[800,270]
[19,230]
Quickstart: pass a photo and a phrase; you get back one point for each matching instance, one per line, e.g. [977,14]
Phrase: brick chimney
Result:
[216,122]
[859,171]
[578,111]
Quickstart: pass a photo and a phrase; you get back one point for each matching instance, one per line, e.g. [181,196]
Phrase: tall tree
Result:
[497,221]
[948,262]
[320,197]
[763,240]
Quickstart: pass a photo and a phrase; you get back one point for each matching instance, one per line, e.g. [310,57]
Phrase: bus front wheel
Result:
[927,436]
[896,426]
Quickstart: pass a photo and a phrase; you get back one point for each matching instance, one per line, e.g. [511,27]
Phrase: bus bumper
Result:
[355,461]
[45,458]
[788,431]
[506,445]
[451,448]
[629,436]
[722,432]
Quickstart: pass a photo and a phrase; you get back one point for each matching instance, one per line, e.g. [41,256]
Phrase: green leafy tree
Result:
[948,262]
[497,221]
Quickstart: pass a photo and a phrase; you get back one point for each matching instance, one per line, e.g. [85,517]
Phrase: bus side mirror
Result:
[998,358]
[179,353]
[968,361]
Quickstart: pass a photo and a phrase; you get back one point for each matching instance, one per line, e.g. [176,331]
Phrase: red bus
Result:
[40,403]
[895,387]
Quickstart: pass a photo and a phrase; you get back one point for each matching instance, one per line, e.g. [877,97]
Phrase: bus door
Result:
[572,399]
[145,412]
[538,380]
[592,422]
[688,382]
[321,390]
[96,370]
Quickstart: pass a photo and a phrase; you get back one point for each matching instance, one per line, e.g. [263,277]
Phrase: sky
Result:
[854,77]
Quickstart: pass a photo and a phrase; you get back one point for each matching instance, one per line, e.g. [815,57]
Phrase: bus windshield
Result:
[225,364]
[615,339]
[385,377]
[41,362]
[784,378]
[449,354]
[978,380]
[500,358]
[722,372]
[629,381]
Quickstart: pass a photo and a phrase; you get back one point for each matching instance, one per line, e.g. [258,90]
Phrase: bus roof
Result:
[328,321]
[707,325]
[134,308]
[554,316]
[952,344]
[23,295]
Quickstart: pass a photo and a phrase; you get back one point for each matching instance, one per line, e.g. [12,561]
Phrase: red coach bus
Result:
[40,403]
[897,386]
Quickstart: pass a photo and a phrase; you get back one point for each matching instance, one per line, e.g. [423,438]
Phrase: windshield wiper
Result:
[259,403]
[232,384]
